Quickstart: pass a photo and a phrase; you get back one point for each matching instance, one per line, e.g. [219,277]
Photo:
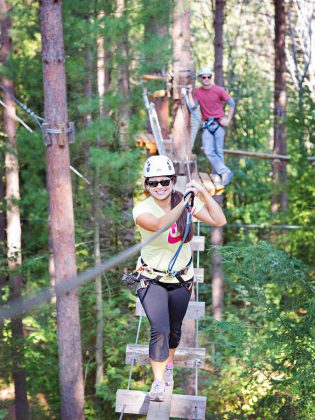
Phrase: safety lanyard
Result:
[170,267]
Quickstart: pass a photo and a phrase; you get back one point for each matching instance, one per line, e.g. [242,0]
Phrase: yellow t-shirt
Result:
[158,253]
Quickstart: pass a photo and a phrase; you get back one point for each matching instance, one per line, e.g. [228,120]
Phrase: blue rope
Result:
[187,228]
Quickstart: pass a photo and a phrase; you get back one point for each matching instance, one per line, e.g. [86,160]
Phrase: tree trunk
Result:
[14,233]
[279,198]
[182,76]
[61,211]
[3,278]
[123,78]
[217,233]
[157,28]
[218,41]
[181,130]
[101,87]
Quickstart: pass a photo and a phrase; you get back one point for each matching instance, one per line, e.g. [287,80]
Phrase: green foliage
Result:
[262,352]
[264,349]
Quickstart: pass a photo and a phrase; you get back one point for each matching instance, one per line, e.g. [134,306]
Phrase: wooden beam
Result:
[161,410]
[182,406]
[198,243]
[154,77]
[195,310]
[271,156]
[184,356]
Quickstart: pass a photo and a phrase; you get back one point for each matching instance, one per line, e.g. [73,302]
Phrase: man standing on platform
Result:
[211,98]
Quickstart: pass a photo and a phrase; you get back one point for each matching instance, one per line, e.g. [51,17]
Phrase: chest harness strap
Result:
[170,272]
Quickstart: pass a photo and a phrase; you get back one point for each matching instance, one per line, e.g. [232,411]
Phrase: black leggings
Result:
[165,310]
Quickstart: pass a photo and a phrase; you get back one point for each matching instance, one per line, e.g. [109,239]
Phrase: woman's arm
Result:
[211,213]
[152,223]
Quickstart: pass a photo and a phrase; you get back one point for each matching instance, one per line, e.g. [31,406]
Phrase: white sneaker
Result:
[226,177]
[157,391]
[216,179]
[168,376]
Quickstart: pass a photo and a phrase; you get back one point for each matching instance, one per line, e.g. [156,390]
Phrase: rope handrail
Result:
[25,304]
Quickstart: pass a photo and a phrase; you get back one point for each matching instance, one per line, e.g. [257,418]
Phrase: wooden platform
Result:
[182,406]
[184,356]
[195,310]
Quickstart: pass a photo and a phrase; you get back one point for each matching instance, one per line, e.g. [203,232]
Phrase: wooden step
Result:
[184,356]
[182,406]
[197,243]
[199,274]
[161,410]
[195,310]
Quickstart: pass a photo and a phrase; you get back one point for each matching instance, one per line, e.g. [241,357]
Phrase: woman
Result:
[165,297]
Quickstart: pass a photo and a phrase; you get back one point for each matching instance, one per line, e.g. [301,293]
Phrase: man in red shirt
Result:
[211,98]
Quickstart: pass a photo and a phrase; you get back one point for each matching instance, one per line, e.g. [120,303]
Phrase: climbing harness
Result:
[211,124]
[189,208]
[137,280]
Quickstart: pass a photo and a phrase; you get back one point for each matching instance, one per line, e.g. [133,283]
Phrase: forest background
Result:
[262,352]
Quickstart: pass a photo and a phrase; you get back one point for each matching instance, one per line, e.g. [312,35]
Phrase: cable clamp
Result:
[65,131]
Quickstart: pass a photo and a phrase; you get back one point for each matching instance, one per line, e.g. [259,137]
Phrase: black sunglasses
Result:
[164,183]
[206,77]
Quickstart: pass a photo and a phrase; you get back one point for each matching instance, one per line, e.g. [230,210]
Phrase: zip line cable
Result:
[25,304]
[37,120]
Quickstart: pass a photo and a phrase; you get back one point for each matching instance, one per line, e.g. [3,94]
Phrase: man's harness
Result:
[137,280]
[211,124]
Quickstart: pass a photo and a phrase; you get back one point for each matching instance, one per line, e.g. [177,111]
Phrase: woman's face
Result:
[160,187]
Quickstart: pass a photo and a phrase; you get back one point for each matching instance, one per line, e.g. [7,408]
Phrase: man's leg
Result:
[225,172]
[210,150]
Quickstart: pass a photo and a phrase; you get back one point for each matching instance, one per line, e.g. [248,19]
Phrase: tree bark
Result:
[218,41]
[217,233]
[102,86]
[3,278]
[157,28]
[123,78]
[182,63]
[61,211]
[279,198]
[181,129]
[14,232]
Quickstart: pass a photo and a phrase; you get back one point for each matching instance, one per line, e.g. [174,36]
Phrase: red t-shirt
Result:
[211,101]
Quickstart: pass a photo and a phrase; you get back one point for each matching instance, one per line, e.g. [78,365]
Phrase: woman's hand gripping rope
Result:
[195,188]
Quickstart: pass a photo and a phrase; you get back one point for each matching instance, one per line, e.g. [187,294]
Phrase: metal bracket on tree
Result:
[65,131]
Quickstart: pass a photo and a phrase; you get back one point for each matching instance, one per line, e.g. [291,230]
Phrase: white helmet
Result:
[158,166]
[205,70]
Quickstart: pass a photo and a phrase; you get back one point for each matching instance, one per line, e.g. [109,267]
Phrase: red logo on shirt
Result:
[173,236]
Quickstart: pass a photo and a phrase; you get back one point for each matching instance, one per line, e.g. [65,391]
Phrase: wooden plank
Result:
[195,310]
[188,407]
[184,356]
[199,274]
[161,410]
[182,406]
[132,402]
[207,182]
[256,154]
[197,243]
